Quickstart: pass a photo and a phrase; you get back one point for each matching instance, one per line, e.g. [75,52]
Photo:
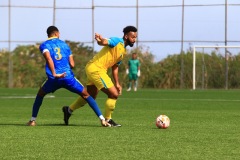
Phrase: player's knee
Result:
[41,92]
[113,95]
[84,94]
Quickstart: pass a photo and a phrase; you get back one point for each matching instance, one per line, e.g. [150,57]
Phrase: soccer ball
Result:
[162,121]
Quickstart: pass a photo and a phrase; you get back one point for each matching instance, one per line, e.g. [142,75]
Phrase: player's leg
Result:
[103,82]
[110,104]
[46,88]
[92,90]
[135,81]
[36,105]
[92,103]
[135,85]
[130,82]
[84,98]
[80,102]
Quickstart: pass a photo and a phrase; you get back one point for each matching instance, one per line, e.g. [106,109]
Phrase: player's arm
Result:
[139,65]
[127,69]
[100,40]
[115,78]
[71,61]
[50,63]
[139,72]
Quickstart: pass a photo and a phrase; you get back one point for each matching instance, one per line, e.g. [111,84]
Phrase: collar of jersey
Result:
[52,38]
[124,43]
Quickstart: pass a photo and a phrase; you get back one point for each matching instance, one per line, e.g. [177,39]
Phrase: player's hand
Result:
[127,71]
[61,75]
[105,123]
[138,73]
[119,89]
[98,37]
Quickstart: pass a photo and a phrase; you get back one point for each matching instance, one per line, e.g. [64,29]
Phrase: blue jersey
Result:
[60,53]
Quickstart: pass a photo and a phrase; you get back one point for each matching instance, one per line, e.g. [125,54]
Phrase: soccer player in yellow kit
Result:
[110,56]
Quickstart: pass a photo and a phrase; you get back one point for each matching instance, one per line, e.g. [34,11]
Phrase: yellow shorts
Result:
[98,77]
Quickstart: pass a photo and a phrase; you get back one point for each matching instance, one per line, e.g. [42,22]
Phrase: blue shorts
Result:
[71,84]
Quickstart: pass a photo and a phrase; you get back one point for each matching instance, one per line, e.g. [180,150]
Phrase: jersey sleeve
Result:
[118,63]
[43,48]
[113,41]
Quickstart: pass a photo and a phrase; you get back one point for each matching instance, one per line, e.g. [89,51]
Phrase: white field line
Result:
[24,97]
[166,99]
[132,99]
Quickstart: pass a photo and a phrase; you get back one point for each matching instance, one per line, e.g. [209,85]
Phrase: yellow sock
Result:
[78,103]
[109,107]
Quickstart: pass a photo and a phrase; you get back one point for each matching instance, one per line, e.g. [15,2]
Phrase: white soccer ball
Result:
[162,121]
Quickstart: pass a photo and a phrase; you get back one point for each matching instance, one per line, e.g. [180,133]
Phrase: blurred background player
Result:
[59,61]
[133,72]
[110,56]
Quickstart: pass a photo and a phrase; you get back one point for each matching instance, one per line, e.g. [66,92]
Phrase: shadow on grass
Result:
[70,125]
[11,124]
[50,125]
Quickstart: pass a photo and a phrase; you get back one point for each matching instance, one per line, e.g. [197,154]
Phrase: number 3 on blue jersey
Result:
[57,51]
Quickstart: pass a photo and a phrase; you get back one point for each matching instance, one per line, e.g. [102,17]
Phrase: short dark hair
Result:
[51,30]
[129,29]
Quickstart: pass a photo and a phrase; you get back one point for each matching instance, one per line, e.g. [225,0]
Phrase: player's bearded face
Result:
[131,38]
[130,43]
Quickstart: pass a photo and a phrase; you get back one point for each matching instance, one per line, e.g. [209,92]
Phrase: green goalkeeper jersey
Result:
[133,65]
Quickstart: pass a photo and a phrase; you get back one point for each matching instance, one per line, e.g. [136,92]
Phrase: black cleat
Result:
[66,114]
[113,124]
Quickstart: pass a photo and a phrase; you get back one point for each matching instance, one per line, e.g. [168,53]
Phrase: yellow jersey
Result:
[111,54]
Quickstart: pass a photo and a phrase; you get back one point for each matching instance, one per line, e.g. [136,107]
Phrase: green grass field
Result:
[204,125]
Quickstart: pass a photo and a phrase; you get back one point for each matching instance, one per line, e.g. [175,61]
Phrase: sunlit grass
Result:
[204,125]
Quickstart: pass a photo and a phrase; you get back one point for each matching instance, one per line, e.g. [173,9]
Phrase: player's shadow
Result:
[70,125]
[11,124]
[50,125]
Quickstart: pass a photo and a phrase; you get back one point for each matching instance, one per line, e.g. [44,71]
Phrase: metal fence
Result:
[56,13]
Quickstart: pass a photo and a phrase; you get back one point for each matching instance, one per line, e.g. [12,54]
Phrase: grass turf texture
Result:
[204,125]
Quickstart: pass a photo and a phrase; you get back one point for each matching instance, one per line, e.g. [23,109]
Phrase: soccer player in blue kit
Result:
[59,62]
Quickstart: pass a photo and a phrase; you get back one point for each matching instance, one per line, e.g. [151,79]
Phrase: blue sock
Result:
[92,103]
[36,105]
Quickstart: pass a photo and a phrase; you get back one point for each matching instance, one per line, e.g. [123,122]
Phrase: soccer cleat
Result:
[135,89]
[66,114]
[31,123]
[113,124]
[129,89]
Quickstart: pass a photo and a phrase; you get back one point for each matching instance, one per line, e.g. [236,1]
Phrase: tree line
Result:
[29,68]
